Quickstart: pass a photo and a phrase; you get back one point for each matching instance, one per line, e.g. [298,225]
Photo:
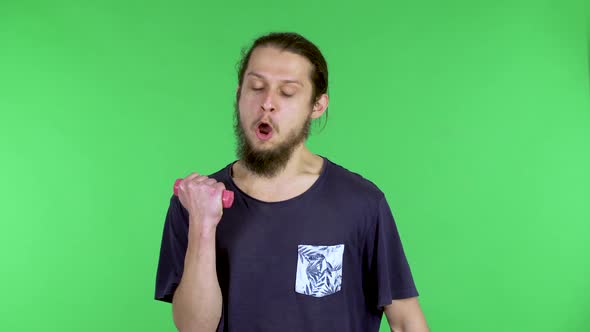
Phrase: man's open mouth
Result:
[264,131]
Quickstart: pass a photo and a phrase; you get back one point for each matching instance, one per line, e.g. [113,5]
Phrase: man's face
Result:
[273,114]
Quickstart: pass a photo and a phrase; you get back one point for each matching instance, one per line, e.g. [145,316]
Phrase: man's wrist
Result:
[202,228]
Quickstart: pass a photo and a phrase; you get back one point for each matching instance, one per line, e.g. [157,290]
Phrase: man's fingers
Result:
[184,182]
[201,178]
[219,186]
[189,178]
[210,181]
[196,178]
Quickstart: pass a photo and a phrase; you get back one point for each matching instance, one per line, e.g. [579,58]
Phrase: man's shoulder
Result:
[221,174]
[352,182]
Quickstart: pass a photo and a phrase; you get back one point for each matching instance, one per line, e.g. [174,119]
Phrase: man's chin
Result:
[262,142]
[262,148]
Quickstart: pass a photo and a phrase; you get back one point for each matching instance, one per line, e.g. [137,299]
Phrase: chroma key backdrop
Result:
[473,117]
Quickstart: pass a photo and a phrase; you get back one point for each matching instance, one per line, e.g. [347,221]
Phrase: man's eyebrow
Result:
[261,76]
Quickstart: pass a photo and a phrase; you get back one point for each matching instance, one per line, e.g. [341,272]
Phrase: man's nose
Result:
[268,103]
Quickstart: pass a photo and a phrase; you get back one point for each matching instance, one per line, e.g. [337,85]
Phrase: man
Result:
[307,245]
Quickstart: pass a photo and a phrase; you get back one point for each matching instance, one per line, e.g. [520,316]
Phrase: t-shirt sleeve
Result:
[388,273]
[172,251]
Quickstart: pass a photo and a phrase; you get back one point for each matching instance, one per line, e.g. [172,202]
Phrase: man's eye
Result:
[282,92]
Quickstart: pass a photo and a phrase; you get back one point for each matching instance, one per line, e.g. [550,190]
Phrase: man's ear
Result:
[320,106]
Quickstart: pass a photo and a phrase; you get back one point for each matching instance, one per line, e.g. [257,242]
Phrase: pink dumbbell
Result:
[227,197]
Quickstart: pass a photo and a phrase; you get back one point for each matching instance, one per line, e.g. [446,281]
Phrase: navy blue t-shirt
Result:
[326,260]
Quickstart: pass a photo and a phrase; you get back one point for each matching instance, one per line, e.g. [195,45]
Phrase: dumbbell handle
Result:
[227,197]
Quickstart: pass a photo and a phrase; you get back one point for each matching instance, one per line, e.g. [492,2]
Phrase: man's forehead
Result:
[283,80]
[272,64]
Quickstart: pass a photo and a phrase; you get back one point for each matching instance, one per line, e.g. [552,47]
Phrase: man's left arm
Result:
[405,315]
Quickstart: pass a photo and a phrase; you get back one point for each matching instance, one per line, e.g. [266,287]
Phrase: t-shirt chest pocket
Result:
[319,270]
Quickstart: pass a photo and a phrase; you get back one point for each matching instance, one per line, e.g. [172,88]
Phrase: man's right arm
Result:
[197,301]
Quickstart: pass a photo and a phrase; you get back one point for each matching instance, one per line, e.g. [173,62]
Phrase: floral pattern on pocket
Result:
[319,270]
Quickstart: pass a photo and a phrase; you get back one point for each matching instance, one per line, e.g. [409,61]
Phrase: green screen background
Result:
[472,117]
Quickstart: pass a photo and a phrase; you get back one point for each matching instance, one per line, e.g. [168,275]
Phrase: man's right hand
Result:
[201,196]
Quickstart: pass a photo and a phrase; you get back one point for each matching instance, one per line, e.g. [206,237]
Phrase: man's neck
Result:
[297,176]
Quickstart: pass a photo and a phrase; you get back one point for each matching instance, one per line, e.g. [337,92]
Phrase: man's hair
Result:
[294,43]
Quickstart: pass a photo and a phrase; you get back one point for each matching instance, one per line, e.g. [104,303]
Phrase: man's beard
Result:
[269,162]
